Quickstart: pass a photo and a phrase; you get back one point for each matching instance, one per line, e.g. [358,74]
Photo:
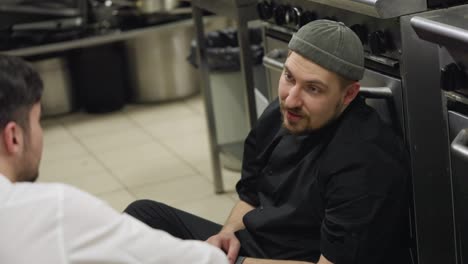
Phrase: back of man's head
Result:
[20,88]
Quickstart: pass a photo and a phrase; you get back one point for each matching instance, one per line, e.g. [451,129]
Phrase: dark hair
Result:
[20,88]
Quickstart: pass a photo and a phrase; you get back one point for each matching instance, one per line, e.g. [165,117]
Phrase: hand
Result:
[228,242]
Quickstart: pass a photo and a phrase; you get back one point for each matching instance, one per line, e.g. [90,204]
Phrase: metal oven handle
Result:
[275,59]
[440,33]
[376,92]
[459,144]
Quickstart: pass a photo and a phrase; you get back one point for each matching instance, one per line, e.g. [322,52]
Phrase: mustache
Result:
[294,110]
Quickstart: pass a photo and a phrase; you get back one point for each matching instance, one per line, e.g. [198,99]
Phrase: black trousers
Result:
[187,226]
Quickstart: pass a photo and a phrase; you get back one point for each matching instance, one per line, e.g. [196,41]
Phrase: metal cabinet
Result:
[458,131]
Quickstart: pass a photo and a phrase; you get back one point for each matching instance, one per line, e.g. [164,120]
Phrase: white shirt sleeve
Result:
[95,233]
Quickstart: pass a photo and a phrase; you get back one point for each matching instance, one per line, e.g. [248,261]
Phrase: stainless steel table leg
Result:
[247,70]
[208,100]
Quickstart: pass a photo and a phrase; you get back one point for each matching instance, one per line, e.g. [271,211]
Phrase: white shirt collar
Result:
[5,187]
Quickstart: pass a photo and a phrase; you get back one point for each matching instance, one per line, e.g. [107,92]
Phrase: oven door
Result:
[276,52]
[458,131]
[384,93]
[274,62]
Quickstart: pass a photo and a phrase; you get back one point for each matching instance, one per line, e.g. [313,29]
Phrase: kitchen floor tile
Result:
[74,167]
[196,103]
[119,199]
[230,177]
[178,128]
[158,151]
[61,151]
[83,125]
[159,114]
[234,197]
[140,165]
[93,182]
[54,132]
[122,139]
[176,191]
[191,148]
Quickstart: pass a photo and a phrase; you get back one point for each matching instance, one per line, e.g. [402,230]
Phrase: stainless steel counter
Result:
[105,38]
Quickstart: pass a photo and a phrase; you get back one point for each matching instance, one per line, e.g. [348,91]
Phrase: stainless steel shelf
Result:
[111,36]
[241,11]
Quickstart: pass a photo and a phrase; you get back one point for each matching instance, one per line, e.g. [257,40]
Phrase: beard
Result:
[304,126]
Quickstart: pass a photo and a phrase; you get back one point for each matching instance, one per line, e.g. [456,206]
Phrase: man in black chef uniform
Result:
[324,180]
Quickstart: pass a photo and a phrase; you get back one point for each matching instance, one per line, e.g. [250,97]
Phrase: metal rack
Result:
[242,11]
[90,41]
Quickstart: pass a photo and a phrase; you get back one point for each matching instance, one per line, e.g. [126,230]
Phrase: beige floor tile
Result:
[230,178]
[215,207]
[58,142]
[73,167]
[177,128]
[192,148]
[196,104]
[61,151]
[203,166]
[157,152]
[159,114]
[176,191]
[121,139]
[234,197]
[83,125]
[119,200]
[144,164]
[54,132]
[93,182]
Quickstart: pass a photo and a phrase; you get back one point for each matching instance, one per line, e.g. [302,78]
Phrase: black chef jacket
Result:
[340,191]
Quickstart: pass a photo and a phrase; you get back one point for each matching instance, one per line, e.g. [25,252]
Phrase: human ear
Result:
[351,92]
[12,137]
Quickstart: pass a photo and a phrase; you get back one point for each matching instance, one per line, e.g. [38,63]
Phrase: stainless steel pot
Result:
[158,65]
[156,6]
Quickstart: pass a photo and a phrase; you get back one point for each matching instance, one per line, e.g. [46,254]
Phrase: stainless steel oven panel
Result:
[446,27]
[389,26]
[428,139]
[378,8]
[458,130]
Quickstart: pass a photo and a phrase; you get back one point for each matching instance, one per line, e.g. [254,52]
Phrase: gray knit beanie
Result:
[331,45]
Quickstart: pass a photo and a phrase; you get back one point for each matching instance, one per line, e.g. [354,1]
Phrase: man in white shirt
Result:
[55,223]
